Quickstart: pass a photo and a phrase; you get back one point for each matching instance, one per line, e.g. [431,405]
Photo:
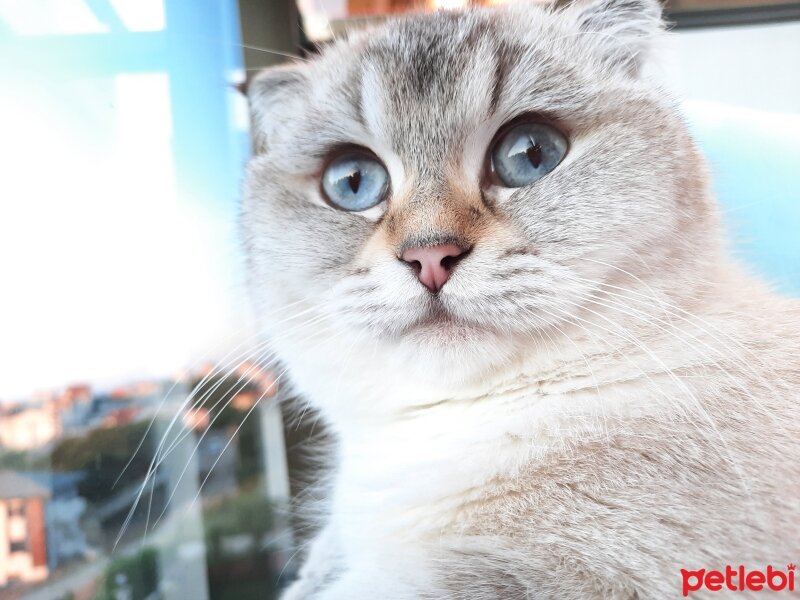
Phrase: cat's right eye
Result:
[355,181]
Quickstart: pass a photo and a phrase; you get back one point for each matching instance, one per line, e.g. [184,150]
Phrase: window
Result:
[124,141]
[706,13]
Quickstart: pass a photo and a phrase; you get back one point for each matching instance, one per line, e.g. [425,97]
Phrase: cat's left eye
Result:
[526,152]
[355,181]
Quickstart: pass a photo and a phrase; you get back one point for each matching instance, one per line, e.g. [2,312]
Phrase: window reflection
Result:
[123,147]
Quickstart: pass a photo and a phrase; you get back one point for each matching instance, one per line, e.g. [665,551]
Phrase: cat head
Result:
[449,184]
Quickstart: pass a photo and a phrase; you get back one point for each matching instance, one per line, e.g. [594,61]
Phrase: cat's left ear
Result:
[622,31]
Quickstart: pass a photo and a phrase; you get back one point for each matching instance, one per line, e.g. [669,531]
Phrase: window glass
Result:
[711,5]
[16,509]
[122,149]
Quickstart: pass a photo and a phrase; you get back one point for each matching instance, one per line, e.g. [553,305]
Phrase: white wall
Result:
[756,66]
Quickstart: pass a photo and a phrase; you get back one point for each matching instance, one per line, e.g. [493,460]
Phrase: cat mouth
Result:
[442,321]
[436,315]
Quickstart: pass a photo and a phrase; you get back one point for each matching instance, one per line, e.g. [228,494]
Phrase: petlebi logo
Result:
[739,579]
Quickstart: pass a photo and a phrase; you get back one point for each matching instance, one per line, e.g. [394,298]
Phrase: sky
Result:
[111,271]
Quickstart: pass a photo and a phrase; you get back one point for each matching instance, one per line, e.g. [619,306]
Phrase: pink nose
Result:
[433,264]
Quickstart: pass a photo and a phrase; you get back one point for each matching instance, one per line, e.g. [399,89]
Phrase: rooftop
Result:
[13,485]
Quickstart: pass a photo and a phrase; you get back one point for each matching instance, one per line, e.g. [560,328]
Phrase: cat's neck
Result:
[568,388]
[447,452]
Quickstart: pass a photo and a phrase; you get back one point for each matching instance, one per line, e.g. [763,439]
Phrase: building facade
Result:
[23,541]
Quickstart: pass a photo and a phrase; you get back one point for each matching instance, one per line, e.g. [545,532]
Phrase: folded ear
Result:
[271,93]
[623,31]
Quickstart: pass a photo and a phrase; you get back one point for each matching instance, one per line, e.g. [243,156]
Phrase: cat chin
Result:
[450,352]
[446,333]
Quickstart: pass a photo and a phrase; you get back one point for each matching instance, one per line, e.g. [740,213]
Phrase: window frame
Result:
[733,16]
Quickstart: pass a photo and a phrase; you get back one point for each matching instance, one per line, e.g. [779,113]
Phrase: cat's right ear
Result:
[269,93]
[622,31]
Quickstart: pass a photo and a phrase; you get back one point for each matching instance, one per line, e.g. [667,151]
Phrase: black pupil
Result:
[534,153]
[354,179]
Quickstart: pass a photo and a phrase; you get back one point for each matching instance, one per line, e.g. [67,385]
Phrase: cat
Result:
[487,251]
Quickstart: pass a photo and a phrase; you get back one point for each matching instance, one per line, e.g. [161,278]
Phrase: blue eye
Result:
[355,181]
[526,153]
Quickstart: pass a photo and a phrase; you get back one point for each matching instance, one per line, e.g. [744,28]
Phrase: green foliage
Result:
[102,455]
[24,461]
[248,465]
[246,513]
[247,576]
[140,572]
[262,588]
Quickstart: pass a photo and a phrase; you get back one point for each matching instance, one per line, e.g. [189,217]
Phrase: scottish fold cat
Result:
[487,251]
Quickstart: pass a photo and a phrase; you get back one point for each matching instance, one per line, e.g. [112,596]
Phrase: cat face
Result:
[451,183]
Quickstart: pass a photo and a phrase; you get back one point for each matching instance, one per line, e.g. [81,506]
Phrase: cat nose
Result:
[433,264]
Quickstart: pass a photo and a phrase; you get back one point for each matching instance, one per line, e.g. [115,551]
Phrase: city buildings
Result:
[24,428]
[23,541]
